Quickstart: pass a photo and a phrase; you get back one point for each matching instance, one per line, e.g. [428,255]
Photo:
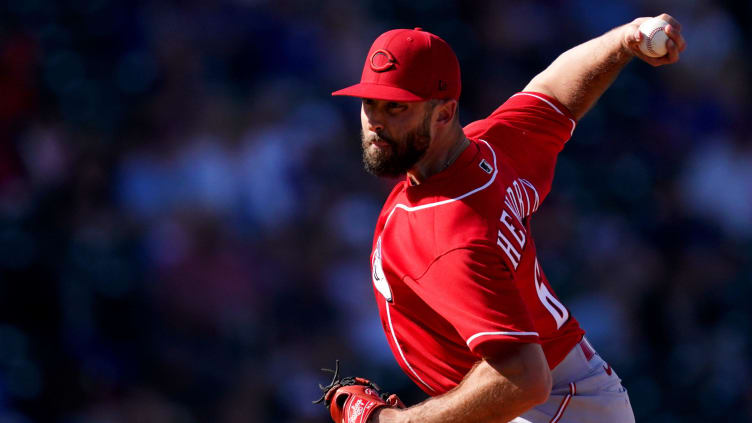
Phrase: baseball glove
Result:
[354,399]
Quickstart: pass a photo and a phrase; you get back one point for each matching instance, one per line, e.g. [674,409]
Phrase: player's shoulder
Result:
[501,166]
[478,191]
[524,114]
[506,188]
[480,177]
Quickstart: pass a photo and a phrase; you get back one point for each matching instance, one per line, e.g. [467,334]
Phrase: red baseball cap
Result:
[408,65]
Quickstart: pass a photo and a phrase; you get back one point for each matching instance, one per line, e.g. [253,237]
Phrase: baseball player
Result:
[464,302]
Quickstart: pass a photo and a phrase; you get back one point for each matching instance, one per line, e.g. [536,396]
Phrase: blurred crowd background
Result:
[185,224]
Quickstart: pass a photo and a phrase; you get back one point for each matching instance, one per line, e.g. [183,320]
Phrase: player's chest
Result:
[400,250]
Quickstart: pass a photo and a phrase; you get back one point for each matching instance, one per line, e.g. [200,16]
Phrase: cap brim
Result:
[379,92]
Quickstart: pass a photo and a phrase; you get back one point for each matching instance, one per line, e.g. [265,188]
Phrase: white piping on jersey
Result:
[537,198]
[441,203]
[521,207]
[552,106]
[479,334]
[394,336]
[425,206]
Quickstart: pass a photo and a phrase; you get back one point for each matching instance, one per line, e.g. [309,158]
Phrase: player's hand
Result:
[354,399]
[674,45]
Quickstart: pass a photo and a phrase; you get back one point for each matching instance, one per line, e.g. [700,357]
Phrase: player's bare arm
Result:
[495,390]
[579,76]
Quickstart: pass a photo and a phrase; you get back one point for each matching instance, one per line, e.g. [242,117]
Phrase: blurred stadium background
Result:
[185,225]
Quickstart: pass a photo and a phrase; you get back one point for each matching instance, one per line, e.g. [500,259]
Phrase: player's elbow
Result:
[537,385]
[526,368]
[535,379]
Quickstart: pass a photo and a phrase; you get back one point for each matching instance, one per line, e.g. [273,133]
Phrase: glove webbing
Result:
[338,382]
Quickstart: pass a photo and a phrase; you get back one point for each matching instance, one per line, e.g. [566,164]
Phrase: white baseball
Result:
[654,37]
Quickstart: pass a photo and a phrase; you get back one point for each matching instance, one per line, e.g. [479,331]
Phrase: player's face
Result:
[395,136]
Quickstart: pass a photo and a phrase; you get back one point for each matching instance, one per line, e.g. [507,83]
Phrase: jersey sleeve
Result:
[530,129]
[475,292]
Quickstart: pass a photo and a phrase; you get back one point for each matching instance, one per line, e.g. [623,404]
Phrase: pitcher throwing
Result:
[465,304]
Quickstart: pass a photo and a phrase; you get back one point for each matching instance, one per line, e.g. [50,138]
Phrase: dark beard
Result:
[400,156]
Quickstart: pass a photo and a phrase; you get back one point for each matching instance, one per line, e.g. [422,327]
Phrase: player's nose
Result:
[375,126]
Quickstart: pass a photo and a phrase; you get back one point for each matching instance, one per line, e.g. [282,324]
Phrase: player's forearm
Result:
[579,76]
[495,391]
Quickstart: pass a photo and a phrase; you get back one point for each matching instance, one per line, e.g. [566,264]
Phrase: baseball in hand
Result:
[654,37]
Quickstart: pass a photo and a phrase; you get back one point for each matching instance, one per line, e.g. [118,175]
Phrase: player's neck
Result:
[444,150]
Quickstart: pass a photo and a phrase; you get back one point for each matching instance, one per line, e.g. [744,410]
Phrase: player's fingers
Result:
[675,35]
[656,61]
[672,52]
[633,38]
[671,21]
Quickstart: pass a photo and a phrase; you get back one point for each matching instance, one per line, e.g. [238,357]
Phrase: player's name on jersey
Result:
[521,200]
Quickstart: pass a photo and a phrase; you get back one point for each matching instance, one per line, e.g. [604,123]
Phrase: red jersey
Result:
[454,265]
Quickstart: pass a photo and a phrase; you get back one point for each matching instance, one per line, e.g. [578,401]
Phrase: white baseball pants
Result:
[585,390]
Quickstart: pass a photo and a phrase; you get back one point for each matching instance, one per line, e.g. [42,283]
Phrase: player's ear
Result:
[446,112]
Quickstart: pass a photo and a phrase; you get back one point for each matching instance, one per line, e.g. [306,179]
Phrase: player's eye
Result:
[395,107]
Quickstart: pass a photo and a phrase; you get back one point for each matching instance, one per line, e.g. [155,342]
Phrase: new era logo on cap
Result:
[408,65]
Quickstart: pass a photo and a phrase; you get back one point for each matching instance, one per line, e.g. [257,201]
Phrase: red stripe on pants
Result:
[564,403]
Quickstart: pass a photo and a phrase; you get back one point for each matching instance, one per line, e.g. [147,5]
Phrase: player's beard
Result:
[401,155]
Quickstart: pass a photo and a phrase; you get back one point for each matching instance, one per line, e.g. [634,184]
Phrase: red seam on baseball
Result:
[650,39]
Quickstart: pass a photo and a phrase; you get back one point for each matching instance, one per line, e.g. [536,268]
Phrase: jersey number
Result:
[554,306]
